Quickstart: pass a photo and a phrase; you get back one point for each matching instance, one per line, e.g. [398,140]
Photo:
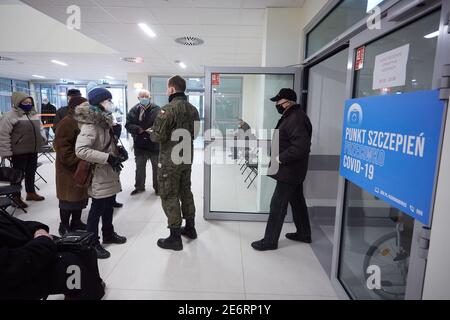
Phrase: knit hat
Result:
[98,95]
[90,86]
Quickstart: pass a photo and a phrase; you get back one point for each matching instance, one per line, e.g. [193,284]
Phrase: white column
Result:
[282,36]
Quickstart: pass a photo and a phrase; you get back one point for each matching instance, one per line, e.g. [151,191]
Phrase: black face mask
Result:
[280,108]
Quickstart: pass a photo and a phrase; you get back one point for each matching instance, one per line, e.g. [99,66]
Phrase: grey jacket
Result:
[94,144]
[20,133]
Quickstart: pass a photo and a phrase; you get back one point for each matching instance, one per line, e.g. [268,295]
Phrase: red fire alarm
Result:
[215,79]
[360,58]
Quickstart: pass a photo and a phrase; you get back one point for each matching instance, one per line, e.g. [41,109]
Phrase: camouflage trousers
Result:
[176,195]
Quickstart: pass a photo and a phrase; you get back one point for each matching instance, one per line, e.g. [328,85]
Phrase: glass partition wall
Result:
[374,233]
[236,183]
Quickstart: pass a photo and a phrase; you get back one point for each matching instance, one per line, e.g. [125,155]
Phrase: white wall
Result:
[283,41]
[437,279]
[24,29]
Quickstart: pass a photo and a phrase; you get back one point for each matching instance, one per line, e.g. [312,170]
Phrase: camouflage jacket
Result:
[178,114]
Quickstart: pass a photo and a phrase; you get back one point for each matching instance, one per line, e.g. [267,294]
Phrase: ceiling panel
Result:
[232,31]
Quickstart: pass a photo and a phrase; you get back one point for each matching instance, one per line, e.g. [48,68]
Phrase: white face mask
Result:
[109,106]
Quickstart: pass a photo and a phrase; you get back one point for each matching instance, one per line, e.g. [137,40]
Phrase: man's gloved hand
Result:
[115,162]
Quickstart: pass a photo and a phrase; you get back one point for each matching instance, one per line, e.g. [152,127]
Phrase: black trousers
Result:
[28,164]
[101,208]
[284,195]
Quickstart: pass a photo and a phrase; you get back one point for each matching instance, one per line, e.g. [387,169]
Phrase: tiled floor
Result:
[219,265]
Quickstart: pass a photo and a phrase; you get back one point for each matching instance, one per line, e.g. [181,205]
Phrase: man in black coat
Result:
[48,111]
[31,267]
[140,118]
[289,168]
[62,112]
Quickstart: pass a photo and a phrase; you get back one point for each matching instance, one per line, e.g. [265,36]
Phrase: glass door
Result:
[236,161]
[371,231]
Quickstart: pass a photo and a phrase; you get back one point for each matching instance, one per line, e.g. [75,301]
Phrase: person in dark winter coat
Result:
[72,198]
[31,268]
[289,167]
[140,118]
[48,112]
[62,112]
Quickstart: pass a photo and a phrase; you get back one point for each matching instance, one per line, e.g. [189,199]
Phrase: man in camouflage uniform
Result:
[174,174]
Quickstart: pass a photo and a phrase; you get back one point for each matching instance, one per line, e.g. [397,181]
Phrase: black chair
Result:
[40,177]
[14,178]
[47,152]
[5,203]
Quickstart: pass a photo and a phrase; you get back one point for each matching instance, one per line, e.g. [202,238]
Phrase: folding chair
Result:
[5,203]
[14,178]
[47,152]
[40,177]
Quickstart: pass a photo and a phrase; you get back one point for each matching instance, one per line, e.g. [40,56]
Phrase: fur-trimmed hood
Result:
[86,113]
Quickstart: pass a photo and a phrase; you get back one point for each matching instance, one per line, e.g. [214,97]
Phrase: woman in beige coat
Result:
[96,144]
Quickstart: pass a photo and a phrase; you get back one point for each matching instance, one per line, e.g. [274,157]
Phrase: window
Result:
[346,14]
[21,86]
[5,95]
[195,91]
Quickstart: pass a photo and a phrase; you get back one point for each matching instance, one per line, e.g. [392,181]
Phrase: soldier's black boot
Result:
[173,242]
[189,230]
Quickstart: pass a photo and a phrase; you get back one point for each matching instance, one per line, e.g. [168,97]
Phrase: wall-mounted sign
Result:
[215,79]
[359,64]
[391,147]
[390,68]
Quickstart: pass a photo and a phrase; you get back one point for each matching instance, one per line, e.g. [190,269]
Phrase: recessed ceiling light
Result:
[133,59]
[147,30]
[60,63]
[432,35]
[109,77]
[182,65]
[38,76]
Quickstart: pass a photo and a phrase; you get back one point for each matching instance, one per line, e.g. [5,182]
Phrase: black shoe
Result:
[114,239]
[136,191]
[189,230]
[298,237]
[78,226]
[63,229]
[117,205]
[173,242]
[262,246]
[102,253]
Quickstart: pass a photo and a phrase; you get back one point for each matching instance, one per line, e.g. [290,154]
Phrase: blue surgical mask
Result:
[26,107]
[145,101]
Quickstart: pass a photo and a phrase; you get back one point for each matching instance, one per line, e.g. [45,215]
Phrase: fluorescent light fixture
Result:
[147,30]
[60,63]
[109,77]
[182,65]
[432,35]
[38,76]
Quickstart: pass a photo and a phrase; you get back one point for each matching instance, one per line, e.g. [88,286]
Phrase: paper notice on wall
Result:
[390,68]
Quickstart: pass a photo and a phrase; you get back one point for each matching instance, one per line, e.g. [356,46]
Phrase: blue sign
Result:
[390,148]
